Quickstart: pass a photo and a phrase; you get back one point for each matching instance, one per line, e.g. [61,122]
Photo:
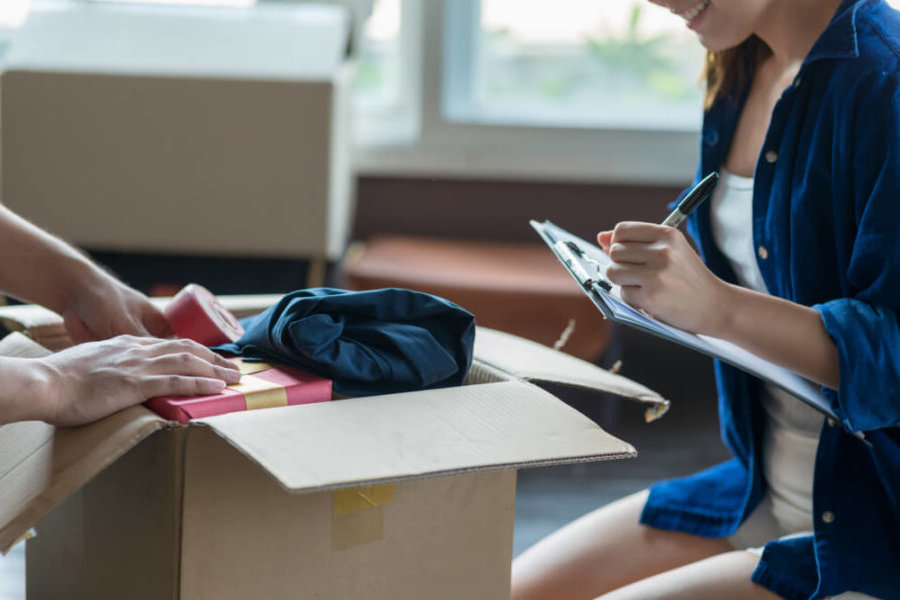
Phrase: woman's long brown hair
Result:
[727,71]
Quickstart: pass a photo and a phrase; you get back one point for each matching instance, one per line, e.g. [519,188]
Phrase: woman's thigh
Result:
[602,551]
[722,576]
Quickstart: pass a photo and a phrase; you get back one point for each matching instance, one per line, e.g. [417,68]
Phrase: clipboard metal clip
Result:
[584,279]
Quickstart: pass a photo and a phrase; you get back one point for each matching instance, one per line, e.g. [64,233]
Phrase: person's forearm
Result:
[38,267]
[788,334]
[23,390]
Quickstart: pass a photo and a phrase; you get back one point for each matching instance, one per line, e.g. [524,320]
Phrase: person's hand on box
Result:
[659,272]
[100,307]
[95,379]
[39,268]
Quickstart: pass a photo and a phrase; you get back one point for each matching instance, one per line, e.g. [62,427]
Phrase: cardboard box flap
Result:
[401,436]
[41,465]
[501,356]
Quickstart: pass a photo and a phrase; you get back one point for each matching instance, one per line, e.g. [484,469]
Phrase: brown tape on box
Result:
[358,515]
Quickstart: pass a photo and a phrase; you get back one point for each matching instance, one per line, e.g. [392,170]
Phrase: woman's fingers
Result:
[604,238]
[640,253]
[634,231]
[629,274]
[659,272]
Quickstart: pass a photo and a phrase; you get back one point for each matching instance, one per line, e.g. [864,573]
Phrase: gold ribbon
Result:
[249,368]
[259,393]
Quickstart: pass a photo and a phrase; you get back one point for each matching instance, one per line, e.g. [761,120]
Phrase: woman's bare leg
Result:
[603,551]
[722,576]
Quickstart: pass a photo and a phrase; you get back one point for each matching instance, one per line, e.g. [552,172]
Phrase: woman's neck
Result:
[791,27]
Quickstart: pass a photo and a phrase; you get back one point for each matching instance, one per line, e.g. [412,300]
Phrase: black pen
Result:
[692,200]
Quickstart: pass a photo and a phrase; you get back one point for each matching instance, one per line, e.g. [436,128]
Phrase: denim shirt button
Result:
[827,517]
[832,422]
[710,137]
[797,82]
[771,157]
[763,252]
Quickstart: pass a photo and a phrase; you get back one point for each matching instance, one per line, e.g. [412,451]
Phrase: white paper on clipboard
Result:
[587,264]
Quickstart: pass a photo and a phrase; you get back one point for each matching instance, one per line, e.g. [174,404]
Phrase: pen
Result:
[694,198]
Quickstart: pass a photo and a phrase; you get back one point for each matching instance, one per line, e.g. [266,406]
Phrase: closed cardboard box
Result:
[176,130]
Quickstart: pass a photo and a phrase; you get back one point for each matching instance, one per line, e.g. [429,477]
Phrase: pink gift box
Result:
[261,386]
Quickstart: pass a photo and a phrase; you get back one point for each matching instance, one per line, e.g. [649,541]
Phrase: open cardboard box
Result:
[402,496]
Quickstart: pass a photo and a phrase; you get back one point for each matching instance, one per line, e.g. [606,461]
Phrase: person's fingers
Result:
[179,385]
[636,254]
[178,346]
[625,274]
[635,231]
[133,340]
[604,238]
[185,363]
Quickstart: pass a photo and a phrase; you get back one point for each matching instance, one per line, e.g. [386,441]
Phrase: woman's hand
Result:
[659,272]
[100,307]
[93,380]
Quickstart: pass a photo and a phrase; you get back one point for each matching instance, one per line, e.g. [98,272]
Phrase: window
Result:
[385,94]
[378,68]
[628,64]
[13,12]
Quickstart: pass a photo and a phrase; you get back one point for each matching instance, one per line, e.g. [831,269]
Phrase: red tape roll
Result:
[196,314]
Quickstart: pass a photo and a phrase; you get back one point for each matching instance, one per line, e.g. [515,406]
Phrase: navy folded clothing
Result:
[370,342]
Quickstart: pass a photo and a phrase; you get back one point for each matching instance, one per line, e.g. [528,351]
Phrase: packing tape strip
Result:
[361,498]
[358,515]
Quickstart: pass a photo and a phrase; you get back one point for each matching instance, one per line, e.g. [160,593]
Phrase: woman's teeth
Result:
[698,8]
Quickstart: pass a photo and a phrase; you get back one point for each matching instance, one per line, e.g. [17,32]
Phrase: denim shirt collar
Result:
[839,40]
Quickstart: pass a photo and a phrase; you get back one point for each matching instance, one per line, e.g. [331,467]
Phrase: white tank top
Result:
[792,433]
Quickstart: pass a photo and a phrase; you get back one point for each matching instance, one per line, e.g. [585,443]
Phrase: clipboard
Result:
[587,264]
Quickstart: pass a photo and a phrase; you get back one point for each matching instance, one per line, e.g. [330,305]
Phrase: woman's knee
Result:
[725,575]
[602,551]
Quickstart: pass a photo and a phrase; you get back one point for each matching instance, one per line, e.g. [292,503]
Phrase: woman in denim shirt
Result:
[800,264]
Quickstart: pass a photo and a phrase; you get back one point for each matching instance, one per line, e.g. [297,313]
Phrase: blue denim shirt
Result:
[826,226]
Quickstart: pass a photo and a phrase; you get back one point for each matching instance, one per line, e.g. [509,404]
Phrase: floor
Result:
[684,441]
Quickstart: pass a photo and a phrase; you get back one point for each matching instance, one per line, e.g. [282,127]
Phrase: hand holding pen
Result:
[696,196]
[659,272]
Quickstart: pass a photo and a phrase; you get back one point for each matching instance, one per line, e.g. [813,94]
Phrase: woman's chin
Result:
[719,43]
